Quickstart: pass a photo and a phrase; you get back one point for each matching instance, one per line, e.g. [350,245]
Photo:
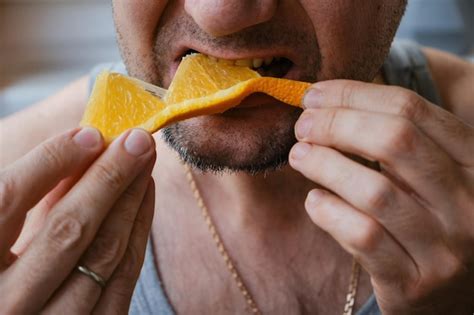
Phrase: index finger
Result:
[25,182]
[441,126]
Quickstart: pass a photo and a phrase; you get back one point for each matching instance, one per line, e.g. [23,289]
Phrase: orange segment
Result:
[117,103]
[199,76]
[201,86]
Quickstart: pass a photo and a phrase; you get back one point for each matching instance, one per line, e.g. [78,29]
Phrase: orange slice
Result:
[201,86]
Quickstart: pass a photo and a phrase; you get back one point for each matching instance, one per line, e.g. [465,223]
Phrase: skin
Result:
[292,248]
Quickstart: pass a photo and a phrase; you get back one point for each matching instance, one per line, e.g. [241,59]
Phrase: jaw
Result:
[253,139]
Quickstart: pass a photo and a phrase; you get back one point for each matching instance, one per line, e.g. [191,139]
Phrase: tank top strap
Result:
[149,297]
[407,66]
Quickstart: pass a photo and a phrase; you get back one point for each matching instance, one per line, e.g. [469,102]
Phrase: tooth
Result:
[257,62]
[268,61]
[243,62]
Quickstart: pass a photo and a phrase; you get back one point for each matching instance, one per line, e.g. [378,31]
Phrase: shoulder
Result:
[454,78]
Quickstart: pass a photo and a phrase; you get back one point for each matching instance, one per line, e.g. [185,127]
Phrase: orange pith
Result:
[201,86]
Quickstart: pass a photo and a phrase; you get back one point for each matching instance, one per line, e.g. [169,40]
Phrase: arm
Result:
[22,131]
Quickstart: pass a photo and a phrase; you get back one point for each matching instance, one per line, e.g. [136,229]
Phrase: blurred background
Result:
[44,44]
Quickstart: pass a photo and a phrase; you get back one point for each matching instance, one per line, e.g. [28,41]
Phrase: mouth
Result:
[268,65]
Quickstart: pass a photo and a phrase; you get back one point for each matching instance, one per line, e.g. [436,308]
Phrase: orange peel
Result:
[201,86]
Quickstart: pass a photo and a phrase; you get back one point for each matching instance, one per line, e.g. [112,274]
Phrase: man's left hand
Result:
[411,225]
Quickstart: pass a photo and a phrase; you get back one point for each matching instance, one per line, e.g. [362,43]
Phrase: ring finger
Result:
[105,252]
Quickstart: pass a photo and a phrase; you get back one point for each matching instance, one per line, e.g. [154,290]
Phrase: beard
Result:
[235,141]
[252,140]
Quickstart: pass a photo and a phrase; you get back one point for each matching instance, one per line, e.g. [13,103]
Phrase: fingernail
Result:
[314,196]
[303,126]
[87,137]
[300,150]
[313,98]
[137,142]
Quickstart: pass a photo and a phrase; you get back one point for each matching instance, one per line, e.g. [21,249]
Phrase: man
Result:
[377,172]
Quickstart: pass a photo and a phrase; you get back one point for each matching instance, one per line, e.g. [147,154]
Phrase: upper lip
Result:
[236,55]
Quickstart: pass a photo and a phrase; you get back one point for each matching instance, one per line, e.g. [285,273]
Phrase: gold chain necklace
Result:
[354,280]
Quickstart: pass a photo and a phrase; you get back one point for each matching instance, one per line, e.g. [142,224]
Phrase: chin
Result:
[251,139]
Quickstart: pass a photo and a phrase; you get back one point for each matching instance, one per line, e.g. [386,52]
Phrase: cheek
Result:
[136,22]
[350,32]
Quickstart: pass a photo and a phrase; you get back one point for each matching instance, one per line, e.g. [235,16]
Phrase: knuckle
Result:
[347,94]
[112,177]
[380,195]
[446,271]
[129,205]
[65,232]
[50,157]
[403,138]
[128,215]
[339,178]
[131,194]
[412,106]
[452,268]
[330,124]
[368,238]
[105,252]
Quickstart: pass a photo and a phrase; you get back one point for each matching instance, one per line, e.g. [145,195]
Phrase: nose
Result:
[224,17]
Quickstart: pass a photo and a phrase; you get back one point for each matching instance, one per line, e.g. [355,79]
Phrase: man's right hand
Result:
[86,206]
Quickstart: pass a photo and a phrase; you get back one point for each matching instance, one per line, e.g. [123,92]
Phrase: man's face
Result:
[309,40]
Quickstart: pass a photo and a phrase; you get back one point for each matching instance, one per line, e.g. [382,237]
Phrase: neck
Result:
[275,198]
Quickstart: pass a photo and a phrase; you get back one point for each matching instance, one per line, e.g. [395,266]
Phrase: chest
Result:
[197,280]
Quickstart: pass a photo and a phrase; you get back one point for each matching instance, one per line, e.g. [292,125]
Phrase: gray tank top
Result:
[405,66]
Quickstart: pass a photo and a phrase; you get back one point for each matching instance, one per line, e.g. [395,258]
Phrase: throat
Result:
[249,206]
[275,199]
